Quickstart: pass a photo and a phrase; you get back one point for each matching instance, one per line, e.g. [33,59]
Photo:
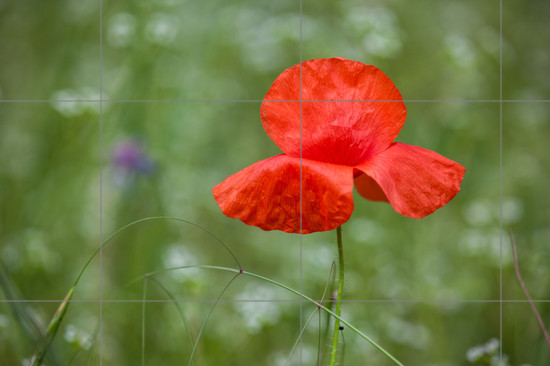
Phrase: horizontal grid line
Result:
[275,301]
[272,101]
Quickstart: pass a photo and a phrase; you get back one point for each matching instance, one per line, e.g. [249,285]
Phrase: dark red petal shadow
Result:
[369,189]
[344,133]
[267,194]
[415,181]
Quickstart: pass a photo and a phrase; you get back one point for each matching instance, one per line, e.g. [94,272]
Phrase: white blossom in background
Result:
[473,242]
[365,231]
[307,355]
[67,109]
[317,263]
[62,101]
[161,29]
[25,362]
[321,258]
[257,314]
[496,240]
[460,49]
[261,38]
[177,255]
[38,251]
[12,256]
[278,358]
[480,212]
[487,354]
[122,30]
[512,210]
[4,321]
[404,332]
[77,337]
[486,243]
[379,28]
[261,46]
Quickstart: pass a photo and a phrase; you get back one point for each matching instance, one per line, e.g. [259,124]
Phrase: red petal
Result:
[267,195]
[346,133]
[368,188]
[415,181]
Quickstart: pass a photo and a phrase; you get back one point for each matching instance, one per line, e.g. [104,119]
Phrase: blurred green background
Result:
[163,158]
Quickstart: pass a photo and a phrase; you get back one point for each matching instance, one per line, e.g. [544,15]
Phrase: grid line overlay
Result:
[100,182]
[272,101]
[297,301]
[300,353]
[300,301]
[501,360]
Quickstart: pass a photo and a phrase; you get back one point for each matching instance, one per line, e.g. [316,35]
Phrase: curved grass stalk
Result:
[61,311]
[309,319]
[165,290]
[53,327]
[106,241]
[149,277]
[180,312]
[208,317]
[296,292]
[321,356]
[300,335]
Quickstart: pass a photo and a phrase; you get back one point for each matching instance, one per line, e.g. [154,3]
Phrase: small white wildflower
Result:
[77,337]
[480,212]
[487,352]
[257,314]
[4,321]
[474,354]
[386,44]
[473,242]
[365,231]
[68,102]
[460,49]
[62,105]
[161,29]
[70,333]
[177,255]
[25,362]
[492,346]
[512,210]
[122,29]
[415,335]
[378,26]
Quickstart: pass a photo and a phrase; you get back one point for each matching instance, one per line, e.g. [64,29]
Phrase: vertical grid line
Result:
[500,183]
[100,181]
[301,189]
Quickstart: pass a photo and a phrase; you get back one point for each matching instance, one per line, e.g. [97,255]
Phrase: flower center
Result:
[342,148]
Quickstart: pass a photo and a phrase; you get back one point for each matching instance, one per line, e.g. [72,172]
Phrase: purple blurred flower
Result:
[130,158]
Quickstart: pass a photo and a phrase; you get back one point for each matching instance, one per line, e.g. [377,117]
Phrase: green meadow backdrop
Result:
[433,285]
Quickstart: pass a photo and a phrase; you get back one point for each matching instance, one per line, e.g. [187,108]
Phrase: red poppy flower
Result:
[344,141]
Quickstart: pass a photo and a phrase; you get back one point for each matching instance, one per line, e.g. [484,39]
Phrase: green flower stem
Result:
[339,298]
[290,289]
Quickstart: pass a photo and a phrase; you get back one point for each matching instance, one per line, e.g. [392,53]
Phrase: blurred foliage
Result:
[159,158]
